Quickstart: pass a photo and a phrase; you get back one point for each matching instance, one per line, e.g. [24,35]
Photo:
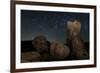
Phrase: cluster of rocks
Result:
[50,50]
[75,47]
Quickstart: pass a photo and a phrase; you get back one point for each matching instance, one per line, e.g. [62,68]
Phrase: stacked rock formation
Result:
[77,46]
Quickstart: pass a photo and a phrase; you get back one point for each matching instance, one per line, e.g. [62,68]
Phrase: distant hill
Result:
[26,46]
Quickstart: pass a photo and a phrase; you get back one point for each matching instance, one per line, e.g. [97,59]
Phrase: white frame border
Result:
[52,64]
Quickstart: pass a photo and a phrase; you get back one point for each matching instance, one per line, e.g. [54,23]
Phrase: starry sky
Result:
[51,24]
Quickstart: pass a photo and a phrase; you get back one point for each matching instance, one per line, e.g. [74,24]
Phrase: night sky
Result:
[51,24]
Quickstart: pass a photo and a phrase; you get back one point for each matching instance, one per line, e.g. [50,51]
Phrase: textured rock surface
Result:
[59,51]
[40,44]
[30,57]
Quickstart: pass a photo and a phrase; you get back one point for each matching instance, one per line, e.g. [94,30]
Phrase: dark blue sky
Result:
[51,24]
